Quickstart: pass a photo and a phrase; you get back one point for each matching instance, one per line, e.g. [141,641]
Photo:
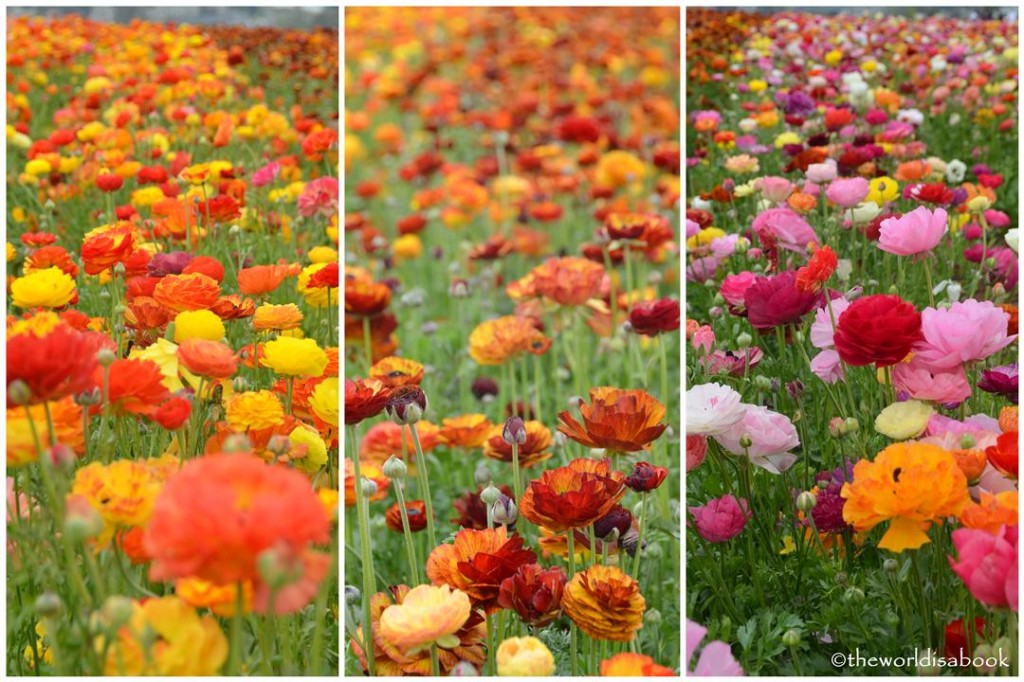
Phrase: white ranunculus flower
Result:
[712,409]
[1011,239]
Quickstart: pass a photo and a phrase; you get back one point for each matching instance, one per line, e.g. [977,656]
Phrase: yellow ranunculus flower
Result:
[524,657]
[294,357]
[883,190]
[904,420]
[316,449]
[324,400]
[198,324]
[49,288]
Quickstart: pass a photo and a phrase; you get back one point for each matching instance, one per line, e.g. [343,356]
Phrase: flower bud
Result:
[61,457]
[18,393]
[490,495]
[395,468]
[744,340]
[369,487]
[352,595]
[237,442]
[890,566]
[762,383]
[117,610]
[653,617]
[81,521]
[514,432]
[406,405]
[482,474]
[279,445]
[806,501]
[928,667]
[791,637]
[746,441]
[504,511]
[105,357]
[459,289]
[463,669]
[853,595]
[48,605]
[850,425]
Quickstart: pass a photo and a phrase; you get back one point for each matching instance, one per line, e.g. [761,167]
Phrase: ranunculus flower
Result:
[787,226]
[988,564]
[878,329]
[712,409]
[847,192]
[922,383]
[901,421]
[825,320]
[966,331]
[1002,381]
[919,231]
[716,659]
[696,451]
[721,519]
[775,301]
[735,286]
[772,436]
[524,657]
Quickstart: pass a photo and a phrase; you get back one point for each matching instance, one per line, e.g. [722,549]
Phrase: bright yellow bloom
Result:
[198,324]
[294,357]
[49,288]
[316,449]
[324,400]
[882,190]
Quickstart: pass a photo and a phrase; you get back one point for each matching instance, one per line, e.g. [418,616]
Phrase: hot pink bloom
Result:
[848,192]
[735,286]
[772,436]
[966,331]
[716,659]
[696,451]
[787,226]
[988,564]
[319,197]
[922,383]
[720,520]
[266,175]
[916,232]
[775,301]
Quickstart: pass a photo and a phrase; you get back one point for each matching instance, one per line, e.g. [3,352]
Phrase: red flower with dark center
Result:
[535,593]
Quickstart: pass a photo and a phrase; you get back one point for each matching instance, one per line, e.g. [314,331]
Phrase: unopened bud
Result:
[490,495]
[890,566]
[395,468]
[464,669]
[744,340]
[369,487]
[237,442]
[48,605]
[279,444]
[117,610]
[105,357]
[791,637]
[504,511]
[514,431]
[806,501]
[18,392]
[482,474]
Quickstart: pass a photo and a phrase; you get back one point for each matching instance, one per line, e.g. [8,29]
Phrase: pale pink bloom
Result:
[703,338]
[266,175]
[966,331]
[702,269]
[735,286]
[827,366]
[319,197]
[716,659]
[922,383]
[772,436]
[979,426]
[823,328]
[711,409]
[692,228]
[723,247]
[820,173]
[987,564]
[848,192]
[916,232]
[788,227]
[774,188]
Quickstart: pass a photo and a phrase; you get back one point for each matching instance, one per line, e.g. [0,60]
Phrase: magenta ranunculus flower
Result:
[720,520]
[1002,381]
[772,436]
[787,226]
[775,301]
[847,192]
[916,232]
[988,564]
[966,331]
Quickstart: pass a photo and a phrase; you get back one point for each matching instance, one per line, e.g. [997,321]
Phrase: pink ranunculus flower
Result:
[772,436]
[823,328]
[723,247]
[827,366]
[787,226]
[702,269]
[820,173]
[916,232]
[720,520]
[696,451]
[692,228]
[716,659]
[988,564]
[774,188]
[922,383]
[266,175]
[703,338]
[319,197]
[847,192]
[966,331]
[712,409]
[734,286]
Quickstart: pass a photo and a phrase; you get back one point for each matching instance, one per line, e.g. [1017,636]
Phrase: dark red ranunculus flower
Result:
[879,329]
[646,477]
[472,512]
[619,518]
[650,318]
[775,301]
[534,593]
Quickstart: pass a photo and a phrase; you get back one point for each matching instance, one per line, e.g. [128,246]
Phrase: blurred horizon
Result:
[283,17]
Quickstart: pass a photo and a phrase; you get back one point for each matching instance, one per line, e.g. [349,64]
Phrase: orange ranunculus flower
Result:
[134,386]
[364,398]
[365,297]
[992,512]
[145,313]
[493,342]
[218,516]
[465,431]
[221,599]
[1011,324]
[368,470]
[51,257]
[533,451]
[67,424]
[477,563]
[393,662]
[394,372]
[416,510]
[911,485]
[233,307]
[568,281]
[260,280]
[572,496]
[628,664]
[605,603]
[277,317]
[186,292]
[211,359]
[971,462]
[105,248]
[616,420]
[1008,419]
[385,439]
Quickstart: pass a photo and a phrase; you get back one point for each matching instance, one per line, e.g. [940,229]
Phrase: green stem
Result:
[366,555]
[421,469]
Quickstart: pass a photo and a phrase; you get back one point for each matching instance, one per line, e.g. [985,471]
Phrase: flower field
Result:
[851,411]
[512,342]
[172,349]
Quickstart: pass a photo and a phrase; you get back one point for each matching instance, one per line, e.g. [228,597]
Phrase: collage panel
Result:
[852,204]
[512,341]
[172,342]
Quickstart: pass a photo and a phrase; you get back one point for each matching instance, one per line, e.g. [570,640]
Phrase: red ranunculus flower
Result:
[775,301]
[878,329]
[651,318]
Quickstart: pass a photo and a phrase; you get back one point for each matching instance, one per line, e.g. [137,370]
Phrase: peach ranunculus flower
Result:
[426,616]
